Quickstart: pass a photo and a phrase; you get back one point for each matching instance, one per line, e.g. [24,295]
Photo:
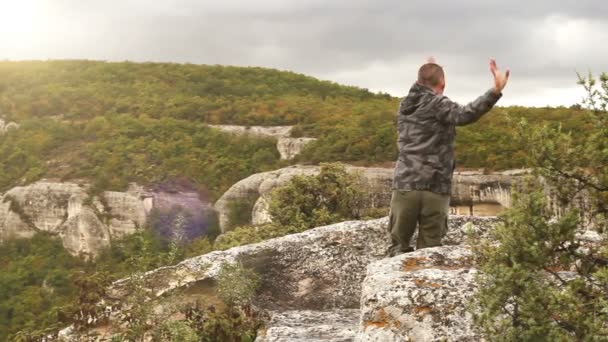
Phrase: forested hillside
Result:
[114,123]
[214,94]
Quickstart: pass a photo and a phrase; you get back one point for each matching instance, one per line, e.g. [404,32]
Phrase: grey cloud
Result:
[344,39]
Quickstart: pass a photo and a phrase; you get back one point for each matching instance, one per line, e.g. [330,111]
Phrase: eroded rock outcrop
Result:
[85,223]
[294,268]
[6,126]
[339,325]
[266,131]
[312,282]
[420,296]
[287,146]
[336,283]
[474,193]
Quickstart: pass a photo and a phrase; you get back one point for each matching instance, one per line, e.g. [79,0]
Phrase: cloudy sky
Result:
[377,45]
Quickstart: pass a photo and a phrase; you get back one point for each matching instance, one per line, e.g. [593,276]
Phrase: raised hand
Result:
[500,78]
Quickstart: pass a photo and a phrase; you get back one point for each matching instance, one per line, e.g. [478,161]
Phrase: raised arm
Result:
[500,78]
[451,112]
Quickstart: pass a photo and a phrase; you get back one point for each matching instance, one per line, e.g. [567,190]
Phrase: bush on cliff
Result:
[303,203]
[313,201]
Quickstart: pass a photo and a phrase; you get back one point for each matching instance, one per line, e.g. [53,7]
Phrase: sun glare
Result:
[20,22]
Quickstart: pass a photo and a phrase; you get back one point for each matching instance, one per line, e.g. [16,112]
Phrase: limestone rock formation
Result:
[267,131]
[419,296]
[288,147]
[6,126]
[294,268]
[338,325]
[317,285]
[84,223]
[252,187]
[336,283]
[474,193]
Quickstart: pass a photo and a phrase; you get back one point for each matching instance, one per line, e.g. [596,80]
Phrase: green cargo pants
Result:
[425,209]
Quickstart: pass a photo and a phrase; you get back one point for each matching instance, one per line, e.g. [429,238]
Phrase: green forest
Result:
[43,287]
[115,123]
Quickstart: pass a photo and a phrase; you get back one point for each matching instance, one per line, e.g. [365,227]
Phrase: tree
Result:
[540,282]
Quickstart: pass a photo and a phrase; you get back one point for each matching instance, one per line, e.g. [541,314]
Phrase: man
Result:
[422,184]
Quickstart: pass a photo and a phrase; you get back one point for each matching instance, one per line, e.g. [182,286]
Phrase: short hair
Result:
[430,74]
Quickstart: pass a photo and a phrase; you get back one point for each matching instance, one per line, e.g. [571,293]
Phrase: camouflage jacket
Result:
[427,129]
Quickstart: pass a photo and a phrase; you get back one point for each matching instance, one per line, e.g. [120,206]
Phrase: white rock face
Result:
[471,187]
[84,224]
[471,190]
[288,147]
[419,296]
[83,233]
[305,325]
[11,224]
[62,209]
[45,204]
[266,131]
[260,213]
[6,126]
[128,211]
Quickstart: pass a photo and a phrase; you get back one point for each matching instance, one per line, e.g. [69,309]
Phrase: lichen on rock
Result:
[419,296]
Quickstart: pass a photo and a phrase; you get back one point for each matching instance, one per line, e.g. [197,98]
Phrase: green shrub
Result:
[246,235]
[239,211]
[176,331]
[304,202]
[538,283]
[236,285]
[312,201]
[198,247]
[229,324]
[35,282]
[374,213]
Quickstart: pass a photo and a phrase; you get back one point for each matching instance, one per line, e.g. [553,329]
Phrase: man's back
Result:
[427,123]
